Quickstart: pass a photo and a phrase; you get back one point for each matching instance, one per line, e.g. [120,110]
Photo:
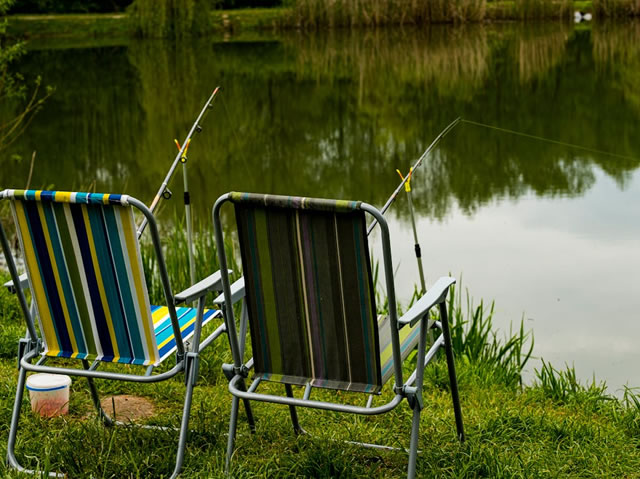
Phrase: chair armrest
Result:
[24,284]
[210,283]
[436,295]
[237,293]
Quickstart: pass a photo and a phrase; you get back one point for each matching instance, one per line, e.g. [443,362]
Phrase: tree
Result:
[70,6]
[171,18]
[13,85]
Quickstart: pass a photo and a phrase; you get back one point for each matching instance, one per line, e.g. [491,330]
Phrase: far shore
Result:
[228,22]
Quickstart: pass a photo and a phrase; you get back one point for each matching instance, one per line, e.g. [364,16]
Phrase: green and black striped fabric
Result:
[309,291]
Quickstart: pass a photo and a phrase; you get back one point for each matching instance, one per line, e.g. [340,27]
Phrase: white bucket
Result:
[49,394]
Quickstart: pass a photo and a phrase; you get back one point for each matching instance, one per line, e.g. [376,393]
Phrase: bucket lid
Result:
[47,382]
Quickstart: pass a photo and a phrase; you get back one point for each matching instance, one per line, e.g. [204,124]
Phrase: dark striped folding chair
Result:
[90,298]
[310,301]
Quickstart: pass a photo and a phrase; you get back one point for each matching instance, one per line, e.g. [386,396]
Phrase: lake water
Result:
[550,232]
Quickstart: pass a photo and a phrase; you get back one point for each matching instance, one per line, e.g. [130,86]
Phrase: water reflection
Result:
[335,114]
[536,225]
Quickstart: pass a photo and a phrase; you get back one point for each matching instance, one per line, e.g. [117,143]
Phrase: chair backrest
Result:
[309,291]
[83,261]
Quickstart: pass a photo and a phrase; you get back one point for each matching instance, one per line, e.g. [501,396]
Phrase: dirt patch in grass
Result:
[128,408]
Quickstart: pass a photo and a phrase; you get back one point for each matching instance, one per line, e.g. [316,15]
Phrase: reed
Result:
[539,9]
[353,13]
[631,398]
[564,387]
[451,61]
[176,257]
[539,50]
[615,44]
[476,342]
[616,8]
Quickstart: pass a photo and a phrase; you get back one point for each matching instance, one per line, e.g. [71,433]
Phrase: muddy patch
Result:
[127,408]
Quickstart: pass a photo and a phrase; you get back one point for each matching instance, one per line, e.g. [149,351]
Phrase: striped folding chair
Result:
[310,301]
[90,298]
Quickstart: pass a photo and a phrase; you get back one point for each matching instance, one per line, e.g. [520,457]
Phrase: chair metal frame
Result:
[187,355]
[411,389]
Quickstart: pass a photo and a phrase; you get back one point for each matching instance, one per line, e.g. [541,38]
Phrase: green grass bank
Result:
[554,427]
[313,14]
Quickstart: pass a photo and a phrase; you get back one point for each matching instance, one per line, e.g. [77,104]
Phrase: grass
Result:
[71,25]
[555,427]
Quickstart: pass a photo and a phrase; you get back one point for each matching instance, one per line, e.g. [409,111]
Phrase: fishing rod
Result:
[416,243]
[416,165]
[165,193]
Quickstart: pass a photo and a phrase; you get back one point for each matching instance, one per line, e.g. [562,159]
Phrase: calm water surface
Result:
[550,232]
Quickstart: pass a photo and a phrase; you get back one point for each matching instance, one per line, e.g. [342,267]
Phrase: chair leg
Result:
[232,432]
[293,412]
[233,422]
[15,418]
[250,419]
[452,371]
[13,430]
[244,323]
[95,397]
[413,444]
[184,425]
[416,401]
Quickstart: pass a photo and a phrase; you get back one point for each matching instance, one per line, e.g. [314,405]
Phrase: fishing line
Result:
[549,140]
[406,179]
[458,120]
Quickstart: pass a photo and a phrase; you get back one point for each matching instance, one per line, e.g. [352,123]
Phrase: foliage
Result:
[69,6]
[171,18]
[13,86]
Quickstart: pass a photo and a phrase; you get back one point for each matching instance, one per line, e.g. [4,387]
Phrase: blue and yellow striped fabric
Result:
[85,271]
[165,339]
[409,336]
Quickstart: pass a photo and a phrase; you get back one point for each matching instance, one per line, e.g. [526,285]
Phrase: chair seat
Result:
[409,337]
[165,339]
